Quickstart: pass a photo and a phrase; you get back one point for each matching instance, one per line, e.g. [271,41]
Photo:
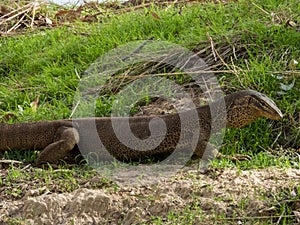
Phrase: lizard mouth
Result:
[277,117]
[276,114]
[271,110]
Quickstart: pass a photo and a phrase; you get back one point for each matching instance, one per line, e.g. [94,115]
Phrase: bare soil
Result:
[230,192]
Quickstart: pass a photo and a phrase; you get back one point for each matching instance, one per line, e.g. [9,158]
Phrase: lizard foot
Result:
[202,167]
[65,140]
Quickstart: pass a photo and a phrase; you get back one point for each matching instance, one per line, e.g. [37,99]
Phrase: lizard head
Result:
[245,106]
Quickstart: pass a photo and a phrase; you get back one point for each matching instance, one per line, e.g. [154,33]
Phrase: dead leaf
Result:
[297,214]
[293,64]
[3,10]
[9,116]
[291,23]
[287,87]
[21,110]
[34,104]
[89,18]
[155,15]
[69,15]
[48,21]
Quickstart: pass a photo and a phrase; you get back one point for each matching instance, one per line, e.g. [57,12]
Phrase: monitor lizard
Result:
[58,137]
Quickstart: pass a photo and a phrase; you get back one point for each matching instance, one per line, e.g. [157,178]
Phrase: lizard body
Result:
[57,138]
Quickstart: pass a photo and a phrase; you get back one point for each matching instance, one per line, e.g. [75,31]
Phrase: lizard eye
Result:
[265,105]
[257,103]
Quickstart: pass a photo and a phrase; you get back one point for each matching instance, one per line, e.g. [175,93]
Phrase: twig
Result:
[279,219]
[236,73]
[33,13]
[17,24]
[74,109]
[133,8]
[174,74]
[12,17]
[12,12]
[138,49]
[260,8]
[278,135]
[77,74]
[257,217]
[216,52]
[212,46]
[289,72]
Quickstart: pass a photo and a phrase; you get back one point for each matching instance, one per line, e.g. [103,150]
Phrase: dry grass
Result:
[17,17]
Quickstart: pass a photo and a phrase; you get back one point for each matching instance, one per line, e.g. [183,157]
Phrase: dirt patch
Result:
[219,192]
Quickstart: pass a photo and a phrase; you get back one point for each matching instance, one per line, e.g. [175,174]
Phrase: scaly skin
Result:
[57,138]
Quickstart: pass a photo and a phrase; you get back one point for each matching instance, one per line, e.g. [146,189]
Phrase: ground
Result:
[243,196]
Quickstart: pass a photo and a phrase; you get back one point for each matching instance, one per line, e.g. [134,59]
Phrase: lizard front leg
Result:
[204,153]
[64,141]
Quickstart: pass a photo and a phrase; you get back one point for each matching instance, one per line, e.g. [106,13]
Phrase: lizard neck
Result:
[239,112]
[232,114]
[238,117]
